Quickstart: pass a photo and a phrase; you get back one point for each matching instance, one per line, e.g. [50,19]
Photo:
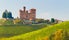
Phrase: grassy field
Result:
[45,33]
[13,30]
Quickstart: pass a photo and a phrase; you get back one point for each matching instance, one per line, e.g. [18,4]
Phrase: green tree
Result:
[7,14]
[17,21]
[47,21]
[4,15]
[39,20]
[52,20]
[10,15]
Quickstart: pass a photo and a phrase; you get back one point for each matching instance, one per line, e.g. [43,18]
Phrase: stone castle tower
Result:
[25,15]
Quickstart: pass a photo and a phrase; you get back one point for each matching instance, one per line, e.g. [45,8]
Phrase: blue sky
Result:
[58,9]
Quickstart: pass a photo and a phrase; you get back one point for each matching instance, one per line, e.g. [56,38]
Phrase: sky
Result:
[46,9]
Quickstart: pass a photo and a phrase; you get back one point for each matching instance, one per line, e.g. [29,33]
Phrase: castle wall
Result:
[24,15]
[32,14]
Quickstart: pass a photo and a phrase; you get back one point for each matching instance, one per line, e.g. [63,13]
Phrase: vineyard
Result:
[54,32]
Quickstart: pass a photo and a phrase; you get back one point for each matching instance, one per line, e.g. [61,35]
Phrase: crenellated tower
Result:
[25,15]
[32,14]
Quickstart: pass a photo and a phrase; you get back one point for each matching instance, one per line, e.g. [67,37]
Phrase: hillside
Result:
[45,33]
[13,30]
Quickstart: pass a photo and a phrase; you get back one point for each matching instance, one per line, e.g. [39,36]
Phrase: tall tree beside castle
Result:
[7,14]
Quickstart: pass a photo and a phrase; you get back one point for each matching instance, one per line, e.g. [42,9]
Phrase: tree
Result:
[4,15]
[17,21]
[52,20]
[39,20]
[47,21]
[7,14]
[10,15]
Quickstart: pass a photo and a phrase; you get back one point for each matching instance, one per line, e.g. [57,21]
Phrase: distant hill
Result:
[53,32]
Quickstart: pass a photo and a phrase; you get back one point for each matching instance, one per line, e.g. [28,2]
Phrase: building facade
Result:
[25,15]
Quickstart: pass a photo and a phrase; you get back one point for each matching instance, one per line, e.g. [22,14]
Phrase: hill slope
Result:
[43,34]
[13,30]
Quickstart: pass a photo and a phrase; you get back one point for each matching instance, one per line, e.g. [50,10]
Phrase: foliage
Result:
[10,15]
[66,35]
[4,15]
[2,21]
[7,14]
[52,20]
[42,21]
[58,35]
[16,21]
[47,21]
[39,20]
[8,22]
[42,33]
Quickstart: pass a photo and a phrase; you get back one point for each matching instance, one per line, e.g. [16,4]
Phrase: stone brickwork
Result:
[25,15]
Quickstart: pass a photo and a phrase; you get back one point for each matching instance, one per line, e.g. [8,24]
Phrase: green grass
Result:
[42,33]
[13,30]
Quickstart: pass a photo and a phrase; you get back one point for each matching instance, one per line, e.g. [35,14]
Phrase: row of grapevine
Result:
[58,35]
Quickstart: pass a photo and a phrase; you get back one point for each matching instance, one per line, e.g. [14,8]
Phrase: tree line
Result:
[7,14]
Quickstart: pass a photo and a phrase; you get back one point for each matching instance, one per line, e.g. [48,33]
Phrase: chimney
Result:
[24,8]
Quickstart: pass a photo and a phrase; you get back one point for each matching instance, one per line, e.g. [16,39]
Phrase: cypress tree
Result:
[52,20]
[4,15]
[9,15]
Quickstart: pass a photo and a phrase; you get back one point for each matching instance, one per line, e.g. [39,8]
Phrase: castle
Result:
[25,15]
